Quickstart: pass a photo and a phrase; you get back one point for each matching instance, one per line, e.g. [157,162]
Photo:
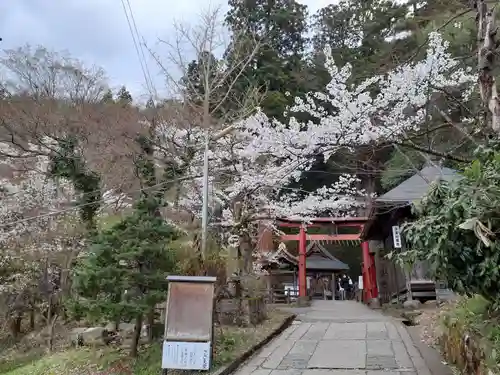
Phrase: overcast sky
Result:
[97,31]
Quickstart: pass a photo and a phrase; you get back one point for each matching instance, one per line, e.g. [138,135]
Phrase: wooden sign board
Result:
[188,335]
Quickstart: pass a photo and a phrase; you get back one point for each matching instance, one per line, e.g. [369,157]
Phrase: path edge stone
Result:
[236,363]
[419,363]
[432,357]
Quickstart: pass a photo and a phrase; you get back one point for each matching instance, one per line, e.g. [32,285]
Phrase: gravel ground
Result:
[429,323]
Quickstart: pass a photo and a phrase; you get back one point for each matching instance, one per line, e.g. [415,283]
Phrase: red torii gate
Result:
[368,266]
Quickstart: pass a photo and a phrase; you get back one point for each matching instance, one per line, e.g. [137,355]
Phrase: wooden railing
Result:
[282,295]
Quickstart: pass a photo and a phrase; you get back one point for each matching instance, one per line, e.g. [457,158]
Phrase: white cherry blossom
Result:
[251,168]
[381,108]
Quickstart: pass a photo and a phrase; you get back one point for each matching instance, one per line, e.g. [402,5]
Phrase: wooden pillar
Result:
[369,273]
[373,274]
[378,267]
[295,285]
[302,262]
[367,285]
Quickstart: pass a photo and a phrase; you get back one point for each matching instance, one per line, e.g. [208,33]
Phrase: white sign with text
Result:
[186,355]
[396,236]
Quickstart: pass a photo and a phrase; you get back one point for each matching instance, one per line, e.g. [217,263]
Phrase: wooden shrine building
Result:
[322,269]
[382,229]
[313,262]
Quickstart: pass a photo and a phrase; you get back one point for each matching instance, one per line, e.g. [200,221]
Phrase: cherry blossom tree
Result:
[251,168]
[28,199]
[41,233]
[386,108]
[245,190]
[35,243]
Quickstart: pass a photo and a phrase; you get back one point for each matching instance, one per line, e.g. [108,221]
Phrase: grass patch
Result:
[474,314]
[230,343]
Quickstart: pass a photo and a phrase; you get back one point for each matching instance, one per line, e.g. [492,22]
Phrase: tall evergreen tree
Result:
[107,98]
[280,26]
[363,33]
[124,273]
[200,78]
[123,96]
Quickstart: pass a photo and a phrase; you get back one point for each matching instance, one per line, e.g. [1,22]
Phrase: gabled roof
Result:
[314,248]
[317,263]
[416,187]
[318,258]
[285,254]
[411,190]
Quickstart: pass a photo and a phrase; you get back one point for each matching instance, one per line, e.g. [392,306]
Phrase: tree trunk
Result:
[150,323]
[237,232]
[246,252]
[487,45]
[409,292]
[134,348]
[239,301]
[51,321]
[15,325]
[50,340]
[32,317]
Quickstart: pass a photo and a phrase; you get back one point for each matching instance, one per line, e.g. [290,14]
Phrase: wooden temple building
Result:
[322,271]
[311,272]
[388,213]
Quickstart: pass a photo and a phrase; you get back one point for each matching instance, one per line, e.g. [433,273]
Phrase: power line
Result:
[136,45]
[53,213]
[141,49]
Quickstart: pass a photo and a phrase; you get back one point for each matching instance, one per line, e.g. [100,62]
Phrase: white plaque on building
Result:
[396,237]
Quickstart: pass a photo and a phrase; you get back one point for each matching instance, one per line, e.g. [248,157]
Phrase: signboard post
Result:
[188,338]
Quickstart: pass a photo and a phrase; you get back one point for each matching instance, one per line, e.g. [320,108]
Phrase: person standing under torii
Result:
[345,286]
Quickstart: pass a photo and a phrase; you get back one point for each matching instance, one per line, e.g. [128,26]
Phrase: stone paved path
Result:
[339,338]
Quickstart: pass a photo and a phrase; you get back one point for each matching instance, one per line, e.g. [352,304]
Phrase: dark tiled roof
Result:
[318,258]
[318,263]
[417,186]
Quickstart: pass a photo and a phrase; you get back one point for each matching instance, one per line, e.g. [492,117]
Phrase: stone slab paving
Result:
[339,338]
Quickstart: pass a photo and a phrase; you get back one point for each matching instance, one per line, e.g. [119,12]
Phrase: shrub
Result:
[456,229]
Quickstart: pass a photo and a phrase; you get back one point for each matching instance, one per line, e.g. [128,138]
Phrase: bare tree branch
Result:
[216,76]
